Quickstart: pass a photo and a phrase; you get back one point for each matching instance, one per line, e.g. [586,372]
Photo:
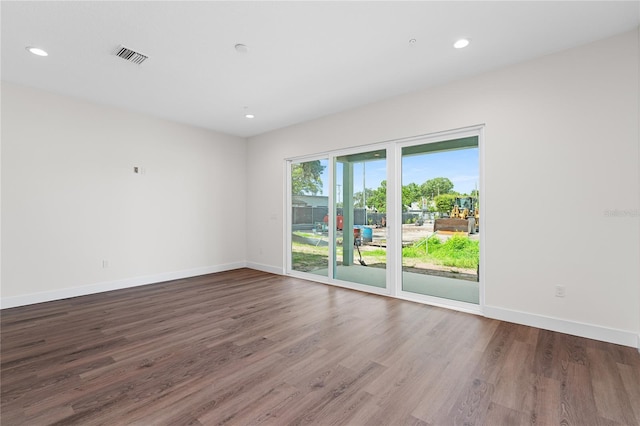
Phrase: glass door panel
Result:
[440,227]
[309,217]
[360,249]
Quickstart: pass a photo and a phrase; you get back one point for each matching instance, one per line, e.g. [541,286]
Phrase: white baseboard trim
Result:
[590,331]
[48,296]
[265,268]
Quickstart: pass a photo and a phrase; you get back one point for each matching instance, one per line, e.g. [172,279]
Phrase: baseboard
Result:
[48,296]
[591,331]
[265,268]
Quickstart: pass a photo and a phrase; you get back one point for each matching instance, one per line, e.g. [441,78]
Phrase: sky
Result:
[460,166]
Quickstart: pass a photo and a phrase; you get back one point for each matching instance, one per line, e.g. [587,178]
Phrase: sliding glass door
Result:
[360,245]
[401,218]
[440,226]
[309,195]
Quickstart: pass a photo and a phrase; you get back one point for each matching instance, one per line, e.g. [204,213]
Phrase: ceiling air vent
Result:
[131,55]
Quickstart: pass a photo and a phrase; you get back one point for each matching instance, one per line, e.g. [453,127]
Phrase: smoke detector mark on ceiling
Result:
[131,55]
[241,48]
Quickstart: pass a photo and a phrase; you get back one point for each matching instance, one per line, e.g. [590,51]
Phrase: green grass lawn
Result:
[458,251]
[307,257]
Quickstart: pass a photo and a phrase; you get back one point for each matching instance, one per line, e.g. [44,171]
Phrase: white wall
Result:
[561,148]
[70,198]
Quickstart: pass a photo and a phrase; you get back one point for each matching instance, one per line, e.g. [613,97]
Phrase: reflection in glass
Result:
[309,212]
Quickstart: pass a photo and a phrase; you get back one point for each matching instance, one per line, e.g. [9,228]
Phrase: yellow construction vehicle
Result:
[464,217]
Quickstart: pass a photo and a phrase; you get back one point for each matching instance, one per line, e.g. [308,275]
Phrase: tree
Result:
[306,178]
[359,202]
[436,186]
[378,198]
[444,202]
[410,193]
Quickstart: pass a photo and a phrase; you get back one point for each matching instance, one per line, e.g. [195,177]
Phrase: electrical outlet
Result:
[560,291]
[105,263]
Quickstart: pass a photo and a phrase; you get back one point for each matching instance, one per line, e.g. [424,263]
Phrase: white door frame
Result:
[394,204]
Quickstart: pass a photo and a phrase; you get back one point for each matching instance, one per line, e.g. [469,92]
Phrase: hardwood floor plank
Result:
[630,378]
[494,359]
[548,407]
[246,347]
[578,403]
[514,387]
[438,400]
[547,354]
[499,415]
[338,395]
[611,398]
[472,407]
[264,408]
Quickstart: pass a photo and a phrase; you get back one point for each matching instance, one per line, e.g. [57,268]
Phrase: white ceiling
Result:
[305,59]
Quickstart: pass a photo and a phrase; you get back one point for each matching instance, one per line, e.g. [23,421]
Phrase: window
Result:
[401,218]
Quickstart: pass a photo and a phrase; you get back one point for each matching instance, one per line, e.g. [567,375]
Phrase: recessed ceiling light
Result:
[36,51]
[413,41]
[463,42]
[247,114]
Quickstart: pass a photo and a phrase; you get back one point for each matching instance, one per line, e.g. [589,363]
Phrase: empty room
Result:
[333,213]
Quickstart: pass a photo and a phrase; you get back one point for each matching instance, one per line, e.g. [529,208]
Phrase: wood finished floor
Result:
[247,347]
